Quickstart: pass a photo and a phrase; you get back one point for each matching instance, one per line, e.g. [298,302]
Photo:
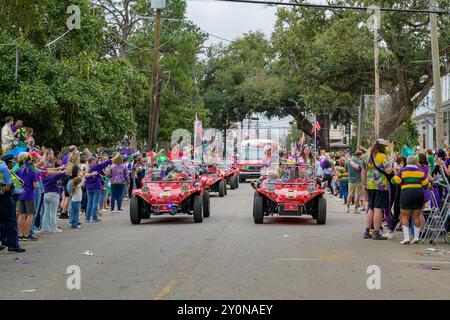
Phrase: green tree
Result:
[332,51]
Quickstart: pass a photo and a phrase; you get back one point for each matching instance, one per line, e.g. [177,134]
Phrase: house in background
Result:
[425,117]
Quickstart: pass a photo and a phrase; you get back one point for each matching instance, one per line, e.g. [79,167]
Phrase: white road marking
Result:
[422,261]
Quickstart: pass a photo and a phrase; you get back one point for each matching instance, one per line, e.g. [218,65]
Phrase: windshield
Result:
[251,153]
[171,172]
[209,169]
[301,174]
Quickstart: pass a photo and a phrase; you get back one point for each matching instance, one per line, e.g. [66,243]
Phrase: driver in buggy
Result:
[169,171]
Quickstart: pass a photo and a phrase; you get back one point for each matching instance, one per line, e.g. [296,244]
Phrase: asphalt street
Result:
[225,257]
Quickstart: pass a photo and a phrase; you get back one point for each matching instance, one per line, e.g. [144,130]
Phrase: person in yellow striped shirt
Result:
[412,181]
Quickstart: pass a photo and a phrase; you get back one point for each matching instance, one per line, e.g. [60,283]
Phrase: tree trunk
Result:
[306,126]
[399,110]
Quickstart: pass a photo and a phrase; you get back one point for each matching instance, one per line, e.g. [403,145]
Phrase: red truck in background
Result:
[250,156]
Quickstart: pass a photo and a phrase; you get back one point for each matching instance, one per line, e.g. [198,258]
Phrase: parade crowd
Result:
[390,187]
[37,182]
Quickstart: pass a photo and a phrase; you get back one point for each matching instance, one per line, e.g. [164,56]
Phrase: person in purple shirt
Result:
[17,125]
[65,160]
[94,187]
[119,176]
[26,201]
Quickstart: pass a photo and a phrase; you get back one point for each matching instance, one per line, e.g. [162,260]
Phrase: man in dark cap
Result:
[8,221]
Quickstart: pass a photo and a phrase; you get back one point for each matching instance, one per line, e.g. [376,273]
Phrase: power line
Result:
[333,6]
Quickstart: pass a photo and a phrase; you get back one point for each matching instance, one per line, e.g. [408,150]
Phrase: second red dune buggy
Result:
[171,189]
[231,175]
[289,190]
[214,178]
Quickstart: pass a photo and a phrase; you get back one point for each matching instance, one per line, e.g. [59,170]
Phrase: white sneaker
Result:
[389,235]
[405,241]
[58,230]
[347,210]
[104,210]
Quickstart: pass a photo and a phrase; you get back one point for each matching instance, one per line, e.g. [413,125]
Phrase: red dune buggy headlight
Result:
[184,188]
[145,189]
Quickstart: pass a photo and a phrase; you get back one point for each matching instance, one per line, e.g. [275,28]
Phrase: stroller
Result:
[436,224]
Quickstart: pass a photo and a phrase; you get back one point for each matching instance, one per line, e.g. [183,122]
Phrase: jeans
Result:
[124,191]
[51,203]
[102,199]
[117,194]
[92,205]
[37,200]
[9,235]
[74,213]
[344,190]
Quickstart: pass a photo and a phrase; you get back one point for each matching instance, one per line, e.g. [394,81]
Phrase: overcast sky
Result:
[230,20]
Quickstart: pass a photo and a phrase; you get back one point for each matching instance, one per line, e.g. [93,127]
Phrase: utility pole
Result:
[360,114]
[376,53]
[436,77]
[158,5]
[156,108]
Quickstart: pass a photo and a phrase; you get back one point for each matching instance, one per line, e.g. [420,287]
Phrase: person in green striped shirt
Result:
[412,181]
[342,179]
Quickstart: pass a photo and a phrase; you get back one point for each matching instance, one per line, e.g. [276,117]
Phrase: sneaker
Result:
[347,210]
[113,211]
[378,236]
[77,227]
[97,220]
[17,249]
[405,241]
[104,210]
[23,238]
[64,216]
[120,210]
[57,230]
[389,235]
[367,234]
[2,247]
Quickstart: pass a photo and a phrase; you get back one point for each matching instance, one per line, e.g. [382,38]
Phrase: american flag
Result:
[302,141]
[198,129]
[316,127]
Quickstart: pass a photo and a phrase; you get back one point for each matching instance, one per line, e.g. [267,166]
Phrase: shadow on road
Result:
[170,220]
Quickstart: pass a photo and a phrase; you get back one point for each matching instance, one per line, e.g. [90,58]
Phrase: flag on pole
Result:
[316,127]
[198,140]
[198,129]
[302,141]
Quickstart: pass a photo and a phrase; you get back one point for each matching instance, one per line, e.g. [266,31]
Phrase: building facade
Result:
[425,117]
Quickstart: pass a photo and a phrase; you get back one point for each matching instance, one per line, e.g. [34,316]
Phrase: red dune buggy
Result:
[172,191]
[231,175]
[289,190]
[213,178]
